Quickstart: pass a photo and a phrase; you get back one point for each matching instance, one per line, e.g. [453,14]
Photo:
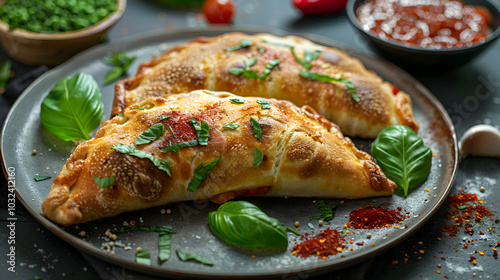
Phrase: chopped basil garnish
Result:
[278,44]
[257,130]
[41,178]
[172,131]
[308,57]
[181,145]
[237,100]
[122,62]
[258,156]
[259,47]
[326,210]
[201,132]
[143,257]
[192,257]
[164,241]
[249,63]
[462,207]
[120,115]
[140,108]
[163,117]
[325,78]
[4,73]
[105,182]
[150,135]
[200,173]
[243,44]
[167,229]
[232,126]
[264,104]
[251,74]
[129,150]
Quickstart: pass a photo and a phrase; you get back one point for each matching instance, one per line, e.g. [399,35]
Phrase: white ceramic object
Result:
[481,140]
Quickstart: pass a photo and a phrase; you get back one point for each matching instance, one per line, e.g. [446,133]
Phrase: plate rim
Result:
[189,32]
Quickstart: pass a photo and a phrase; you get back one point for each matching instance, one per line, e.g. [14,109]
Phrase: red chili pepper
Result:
[319,7]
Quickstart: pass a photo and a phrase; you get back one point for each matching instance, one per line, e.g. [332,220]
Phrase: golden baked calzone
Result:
[211,145]
[336,85]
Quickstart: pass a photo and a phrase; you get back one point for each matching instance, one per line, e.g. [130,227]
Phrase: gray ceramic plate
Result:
[23,132]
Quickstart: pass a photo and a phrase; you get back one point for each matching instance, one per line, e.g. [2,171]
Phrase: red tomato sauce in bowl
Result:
[430,24]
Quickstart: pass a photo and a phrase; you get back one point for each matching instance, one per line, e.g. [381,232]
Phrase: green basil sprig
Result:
[129,150]
[150,135]
[241,223]
[326,210]
[73,108]
[325,78]
[192,257]
[122,62]
[105,182]
[243,44]
[403,156]
[200,173]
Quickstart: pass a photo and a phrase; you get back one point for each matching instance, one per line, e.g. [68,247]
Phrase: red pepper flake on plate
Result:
[326,243]
[371,218]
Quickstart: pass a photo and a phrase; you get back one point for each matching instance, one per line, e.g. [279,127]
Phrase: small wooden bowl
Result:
[51,49]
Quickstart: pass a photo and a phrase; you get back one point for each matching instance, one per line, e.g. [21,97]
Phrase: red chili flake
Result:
[371,218]
[132,222]
[395,89]
[359,243]
[326,243]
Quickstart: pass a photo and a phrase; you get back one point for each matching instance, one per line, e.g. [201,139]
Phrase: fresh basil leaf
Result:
[129,150]
[172,131]
[41,178]
[143,257]
[150,135]
[243,44]
[326,210]
[259,47]
[237,100]
[162,117]
[325,78]
[308,57]
[164,242]
[181,145]
[462,207]
[251,74]
[201,131]
[294,231]
[73,108]
[140,108]
[264,104]
[192,257]
[200,173]
[314,56]
[249,63]
[258,156]
[270,65]
[122,62]
[278,44]
[166,229]
[5,67]
[257,130]
[105,182]
[306,64]
[232,126]
[120,115]
[241,223]
[403,156]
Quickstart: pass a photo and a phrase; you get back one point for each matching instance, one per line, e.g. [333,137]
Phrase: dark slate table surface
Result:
[471,95]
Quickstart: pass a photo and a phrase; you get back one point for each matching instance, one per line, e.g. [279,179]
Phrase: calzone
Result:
[210,145]
[290,68]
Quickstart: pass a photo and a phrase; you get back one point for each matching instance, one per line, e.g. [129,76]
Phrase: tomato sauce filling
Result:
[432,24]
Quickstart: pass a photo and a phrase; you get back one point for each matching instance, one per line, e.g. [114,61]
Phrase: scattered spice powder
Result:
[326,243]
[371,218]
[466,208]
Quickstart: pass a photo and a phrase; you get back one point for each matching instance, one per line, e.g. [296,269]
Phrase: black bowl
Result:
[429,60]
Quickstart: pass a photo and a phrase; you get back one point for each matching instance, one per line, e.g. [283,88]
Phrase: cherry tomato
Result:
[218,11]
[319,7]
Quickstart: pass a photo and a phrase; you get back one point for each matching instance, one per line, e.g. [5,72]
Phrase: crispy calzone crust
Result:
[204,62]
[304,156]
